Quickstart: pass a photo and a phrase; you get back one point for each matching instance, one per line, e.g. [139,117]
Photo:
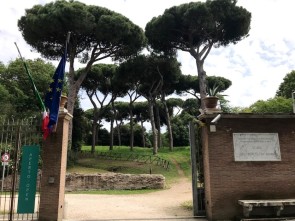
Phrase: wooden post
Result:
[54,157]
[192,136]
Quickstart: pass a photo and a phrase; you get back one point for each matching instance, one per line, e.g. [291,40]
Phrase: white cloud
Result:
[256,65]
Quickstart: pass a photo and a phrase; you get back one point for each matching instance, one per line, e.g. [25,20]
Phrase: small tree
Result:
[272,105]
[287,86]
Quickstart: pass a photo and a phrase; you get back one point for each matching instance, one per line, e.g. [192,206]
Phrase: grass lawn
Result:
[179,157]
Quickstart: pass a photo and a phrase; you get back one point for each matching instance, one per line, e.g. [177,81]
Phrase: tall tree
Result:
[174,105]
[130,85]
[100,89]
[170,75]
[96,33]
[149,72]
[140,110]
[287,86]
[196,27]
[80,128]
[191,106]
[122,113]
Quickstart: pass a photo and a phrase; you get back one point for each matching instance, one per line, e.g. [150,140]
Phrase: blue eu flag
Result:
[53,95]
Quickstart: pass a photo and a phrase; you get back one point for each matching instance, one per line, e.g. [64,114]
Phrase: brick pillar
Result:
[54,156]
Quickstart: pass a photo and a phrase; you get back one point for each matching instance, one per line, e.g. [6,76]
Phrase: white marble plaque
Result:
[256,147]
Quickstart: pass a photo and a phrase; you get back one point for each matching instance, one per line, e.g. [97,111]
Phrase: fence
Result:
[13,135]
[148,159]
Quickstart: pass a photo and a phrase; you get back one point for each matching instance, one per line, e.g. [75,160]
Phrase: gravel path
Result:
[157,205]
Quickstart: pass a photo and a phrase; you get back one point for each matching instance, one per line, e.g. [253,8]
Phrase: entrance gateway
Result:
[16,135]
[249,157]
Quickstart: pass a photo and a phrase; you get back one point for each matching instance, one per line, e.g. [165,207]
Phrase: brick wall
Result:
[54,156]
[227,180]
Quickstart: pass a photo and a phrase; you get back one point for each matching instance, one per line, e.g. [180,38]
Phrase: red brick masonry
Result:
[227,180]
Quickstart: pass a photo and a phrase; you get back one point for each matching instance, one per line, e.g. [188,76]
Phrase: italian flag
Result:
[45,122]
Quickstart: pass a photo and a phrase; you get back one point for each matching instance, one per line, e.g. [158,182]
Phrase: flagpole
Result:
[66,51]
[68,38]
[53,96]
[35,90]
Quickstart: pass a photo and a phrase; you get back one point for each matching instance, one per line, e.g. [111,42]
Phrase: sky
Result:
[256,65]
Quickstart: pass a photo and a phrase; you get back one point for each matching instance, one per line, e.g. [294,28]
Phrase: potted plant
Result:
[63,100]
[212,97]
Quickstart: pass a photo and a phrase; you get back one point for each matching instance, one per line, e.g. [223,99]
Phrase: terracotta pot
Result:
[210,102]
[63,101]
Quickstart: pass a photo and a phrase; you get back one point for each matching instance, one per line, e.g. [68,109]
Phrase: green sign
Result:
[28,179]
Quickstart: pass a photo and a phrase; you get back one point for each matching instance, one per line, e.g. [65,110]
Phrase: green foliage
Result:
[81,126]
[140,111]
[272,105]
[125,135]
[174,102]
[96,33]
[213,91]
[196,27]
[191,106]
[188,205]
[225,107]
[6,103]
[287,86]
[190,84]
[218,84]
[150,74]
[180,129]
[99,78]
[89,25]
[193,24]
[16,89]
[103,137]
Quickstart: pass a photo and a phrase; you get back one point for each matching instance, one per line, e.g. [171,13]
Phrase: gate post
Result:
[54,156]
[192,137]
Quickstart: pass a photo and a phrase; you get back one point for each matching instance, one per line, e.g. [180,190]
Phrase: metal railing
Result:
[13,135]
[141,158]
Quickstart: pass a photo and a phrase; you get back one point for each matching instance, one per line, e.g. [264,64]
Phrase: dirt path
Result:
[160,204]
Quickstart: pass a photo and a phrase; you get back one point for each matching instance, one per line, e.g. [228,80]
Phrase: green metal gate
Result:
[14,134]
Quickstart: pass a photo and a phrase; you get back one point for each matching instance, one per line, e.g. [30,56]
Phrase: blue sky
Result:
[256,65]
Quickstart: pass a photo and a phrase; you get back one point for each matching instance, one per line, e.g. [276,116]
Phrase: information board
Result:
[256,147]
[28,179]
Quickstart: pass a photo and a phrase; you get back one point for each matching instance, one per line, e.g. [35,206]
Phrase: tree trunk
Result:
[119,133]
[202,82]
[74,87]
[153,125]
[169,128]
[131,128]
[112,134]
[71,97]
[158,125]
[94,126]
[142,132]
[200,56]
